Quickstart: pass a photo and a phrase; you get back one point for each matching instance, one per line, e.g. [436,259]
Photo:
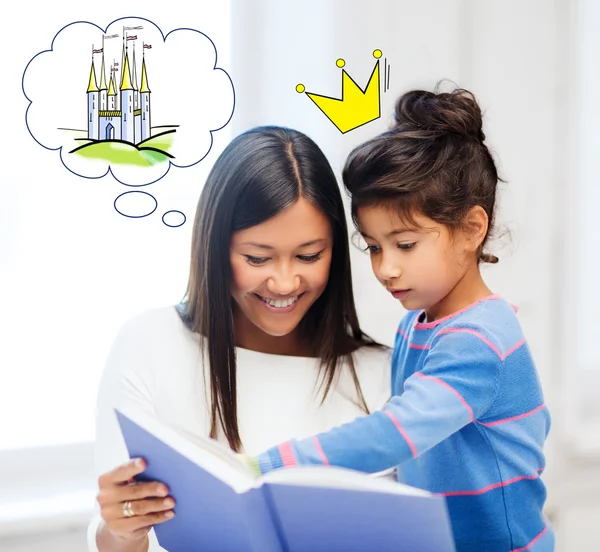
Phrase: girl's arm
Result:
[456,385]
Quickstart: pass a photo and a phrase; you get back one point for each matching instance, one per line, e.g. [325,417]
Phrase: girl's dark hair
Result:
[258,175]
[432,161]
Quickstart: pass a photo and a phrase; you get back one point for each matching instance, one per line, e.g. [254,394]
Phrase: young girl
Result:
[467,419]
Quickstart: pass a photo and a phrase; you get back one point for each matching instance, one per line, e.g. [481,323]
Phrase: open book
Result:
[222,506]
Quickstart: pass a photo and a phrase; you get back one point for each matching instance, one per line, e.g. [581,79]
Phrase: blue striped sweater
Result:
[467,420]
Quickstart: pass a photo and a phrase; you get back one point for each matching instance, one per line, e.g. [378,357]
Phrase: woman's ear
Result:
[475,227]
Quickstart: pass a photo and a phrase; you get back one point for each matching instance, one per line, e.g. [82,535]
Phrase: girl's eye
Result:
[406,246]
[256,260]
[310,258]
[372,248]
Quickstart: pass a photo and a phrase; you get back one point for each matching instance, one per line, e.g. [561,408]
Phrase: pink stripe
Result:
[513,349]
[532,542]
[473,332]
[485,340]
[321,451]
[441,382]
[464,330]
[287,455]
[494,486]
[427,325]
[497,422]
[401,430]
[412,345]
[403,333]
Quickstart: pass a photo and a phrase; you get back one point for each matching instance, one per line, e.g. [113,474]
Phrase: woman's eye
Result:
[256,260]
[371,248]
[310,258]
[406,246]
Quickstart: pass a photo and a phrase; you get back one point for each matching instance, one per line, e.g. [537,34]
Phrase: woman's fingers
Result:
[129,507]
[140,508]
[133,491]
[116,486]
[122,474]
[138,525]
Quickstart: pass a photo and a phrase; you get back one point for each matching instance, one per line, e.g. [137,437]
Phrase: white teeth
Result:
[280,303]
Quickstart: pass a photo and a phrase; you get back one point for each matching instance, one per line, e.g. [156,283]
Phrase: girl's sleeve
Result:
[126,381]
[456,385]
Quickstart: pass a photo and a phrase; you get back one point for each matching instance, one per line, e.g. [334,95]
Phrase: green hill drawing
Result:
[149,152]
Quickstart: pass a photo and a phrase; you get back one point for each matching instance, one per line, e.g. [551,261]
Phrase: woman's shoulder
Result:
[147,338]
[153,321]
[154,329]
[153,359]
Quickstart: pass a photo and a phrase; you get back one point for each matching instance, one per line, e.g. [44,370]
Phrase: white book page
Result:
[206,453]
[340,478]
[223,464]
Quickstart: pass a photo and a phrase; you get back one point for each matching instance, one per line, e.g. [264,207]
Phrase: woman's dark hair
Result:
[432,161]
[258,175]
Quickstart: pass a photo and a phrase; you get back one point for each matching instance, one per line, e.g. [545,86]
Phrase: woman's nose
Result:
[284,282]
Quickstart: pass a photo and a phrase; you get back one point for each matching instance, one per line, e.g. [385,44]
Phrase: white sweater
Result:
[155,365]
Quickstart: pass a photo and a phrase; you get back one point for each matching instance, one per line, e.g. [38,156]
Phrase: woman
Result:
[268,325]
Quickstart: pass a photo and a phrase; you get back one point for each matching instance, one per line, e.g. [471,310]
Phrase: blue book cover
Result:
[222,506]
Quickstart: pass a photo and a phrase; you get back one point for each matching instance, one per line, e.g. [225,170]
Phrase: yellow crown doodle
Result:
[357,107]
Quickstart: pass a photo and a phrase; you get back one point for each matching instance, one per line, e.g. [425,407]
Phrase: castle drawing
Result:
[121,110]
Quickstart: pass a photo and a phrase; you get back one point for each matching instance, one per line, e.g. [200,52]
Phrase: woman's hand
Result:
[130,508]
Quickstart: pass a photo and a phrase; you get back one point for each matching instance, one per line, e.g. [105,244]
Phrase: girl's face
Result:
[281,267]
[419,266]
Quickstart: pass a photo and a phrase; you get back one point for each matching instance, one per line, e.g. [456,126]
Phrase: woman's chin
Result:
[279,329]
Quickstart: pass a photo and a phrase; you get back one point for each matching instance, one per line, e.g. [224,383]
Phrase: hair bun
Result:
[488,258]
[433,114]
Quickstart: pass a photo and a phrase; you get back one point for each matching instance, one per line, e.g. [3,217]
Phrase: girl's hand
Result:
[250,462]
[130,508]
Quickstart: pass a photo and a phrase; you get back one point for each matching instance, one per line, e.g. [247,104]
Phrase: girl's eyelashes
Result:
[403,246]
[257,261]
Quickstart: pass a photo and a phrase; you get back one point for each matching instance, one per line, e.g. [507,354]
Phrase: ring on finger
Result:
[127,511]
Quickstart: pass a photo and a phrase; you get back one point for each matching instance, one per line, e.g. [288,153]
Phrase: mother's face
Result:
[280,267]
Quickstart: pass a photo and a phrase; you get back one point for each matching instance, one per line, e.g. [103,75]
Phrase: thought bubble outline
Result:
[109,170]
[174,225]
[136,192]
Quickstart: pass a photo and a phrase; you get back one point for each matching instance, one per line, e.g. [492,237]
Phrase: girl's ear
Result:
[475,227]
